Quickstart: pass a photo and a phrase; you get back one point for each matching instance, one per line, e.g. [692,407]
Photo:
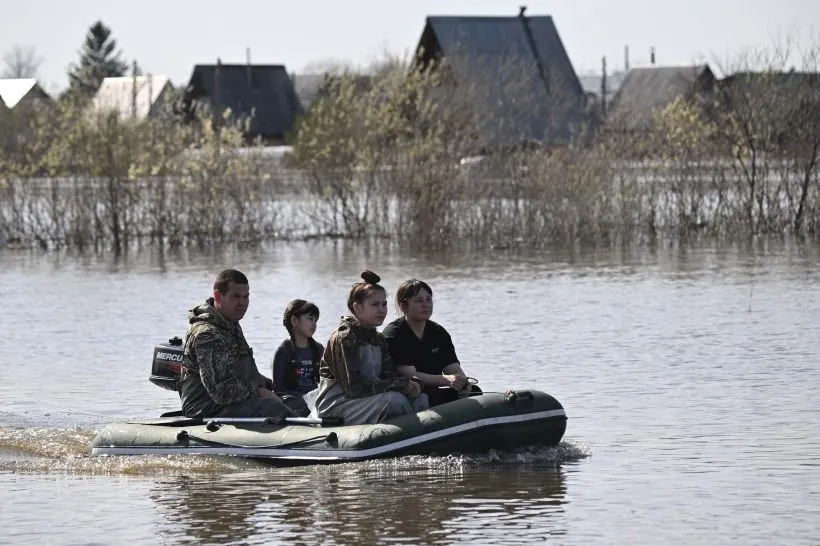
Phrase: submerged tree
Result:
[99,59]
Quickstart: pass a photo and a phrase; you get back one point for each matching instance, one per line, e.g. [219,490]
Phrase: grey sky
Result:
[169,37]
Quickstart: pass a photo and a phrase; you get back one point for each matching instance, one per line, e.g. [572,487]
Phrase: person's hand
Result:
[456,382]
[465,392]
[412,390]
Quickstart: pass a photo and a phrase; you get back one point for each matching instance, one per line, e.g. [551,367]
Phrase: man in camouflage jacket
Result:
[220,377]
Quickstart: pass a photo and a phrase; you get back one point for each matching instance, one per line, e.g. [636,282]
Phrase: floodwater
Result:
[690,378]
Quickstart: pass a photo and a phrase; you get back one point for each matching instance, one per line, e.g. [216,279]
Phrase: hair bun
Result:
[370,278]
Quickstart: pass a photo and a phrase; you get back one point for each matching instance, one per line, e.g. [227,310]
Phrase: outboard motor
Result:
[166,369]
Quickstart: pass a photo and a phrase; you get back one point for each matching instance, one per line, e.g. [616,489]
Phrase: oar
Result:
[216,422]
[332,421]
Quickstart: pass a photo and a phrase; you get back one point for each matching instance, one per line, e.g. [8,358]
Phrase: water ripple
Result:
[689,377]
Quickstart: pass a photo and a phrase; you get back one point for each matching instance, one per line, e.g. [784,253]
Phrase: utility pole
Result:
[134,90]
[217,99]
[603,86]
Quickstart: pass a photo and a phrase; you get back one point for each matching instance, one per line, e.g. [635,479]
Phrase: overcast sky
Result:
[169,37]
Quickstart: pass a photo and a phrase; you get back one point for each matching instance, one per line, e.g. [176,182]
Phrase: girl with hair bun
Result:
[358,380]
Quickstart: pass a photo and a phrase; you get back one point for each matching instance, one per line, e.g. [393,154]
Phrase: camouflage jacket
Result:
[217,357]
[343,361]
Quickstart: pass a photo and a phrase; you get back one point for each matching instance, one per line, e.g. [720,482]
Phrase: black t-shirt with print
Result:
[431,354]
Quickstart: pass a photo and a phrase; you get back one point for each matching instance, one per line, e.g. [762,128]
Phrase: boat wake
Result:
[65,451]
[534,455]
[48,450]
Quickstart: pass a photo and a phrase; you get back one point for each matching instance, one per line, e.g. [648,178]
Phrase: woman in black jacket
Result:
[423,349]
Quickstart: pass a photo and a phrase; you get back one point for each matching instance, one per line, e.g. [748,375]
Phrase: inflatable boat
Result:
[501,421]
[477,424]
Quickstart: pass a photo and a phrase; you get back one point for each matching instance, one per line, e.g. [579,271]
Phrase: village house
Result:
[780,89]
[648,90]
[262,94]
[19,97]
[788,103]
[137,97]
[516,75]
[21,91]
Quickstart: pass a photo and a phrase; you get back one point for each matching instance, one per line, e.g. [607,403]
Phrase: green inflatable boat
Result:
[500,421]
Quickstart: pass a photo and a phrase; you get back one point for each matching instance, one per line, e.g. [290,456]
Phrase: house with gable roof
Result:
[262,94]
[517,74]
[134,96]
[649,89]
[18,91]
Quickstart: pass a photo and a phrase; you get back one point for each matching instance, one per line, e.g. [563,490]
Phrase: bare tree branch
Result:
[21,62]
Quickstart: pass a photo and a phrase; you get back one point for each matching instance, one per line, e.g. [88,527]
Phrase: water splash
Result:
[540,455]
[528,456]
[66,451]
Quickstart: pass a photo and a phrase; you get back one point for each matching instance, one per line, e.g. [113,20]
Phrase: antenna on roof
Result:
[652,55]
[626,58]
[521,10]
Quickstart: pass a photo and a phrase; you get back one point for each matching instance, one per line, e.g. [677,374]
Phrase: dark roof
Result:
[269,95]
[791,95]
[539,101]
[773,79]
[648,89]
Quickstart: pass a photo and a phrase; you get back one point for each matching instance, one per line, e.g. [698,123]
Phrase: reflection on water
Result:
[422,502]
[688,375]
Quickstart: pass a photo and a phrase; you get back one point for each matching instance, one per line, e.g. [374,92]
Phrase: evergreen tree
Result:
[99,58]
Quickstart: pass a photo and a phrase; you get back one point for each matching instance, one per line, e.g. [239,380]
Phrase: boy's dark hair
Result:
[228,276]
[298,308]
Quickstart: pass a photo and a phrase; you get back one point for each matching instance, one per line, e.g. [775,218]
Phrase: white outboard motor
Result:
[166,369]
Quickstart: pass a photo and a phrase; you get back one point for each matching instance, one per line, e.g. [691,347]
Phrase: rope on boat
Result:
[185,436]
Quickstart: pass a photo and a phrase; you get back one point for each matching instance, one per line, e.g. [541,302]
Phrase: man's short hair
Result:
[228,276]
